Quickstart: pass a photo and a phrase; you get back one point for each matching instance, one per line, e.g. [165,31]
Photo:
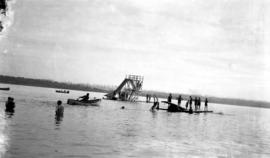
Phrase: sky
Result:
[218,48]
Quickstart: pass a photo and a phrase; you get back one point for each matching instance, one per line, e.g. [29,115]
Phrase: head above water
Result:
[59,102]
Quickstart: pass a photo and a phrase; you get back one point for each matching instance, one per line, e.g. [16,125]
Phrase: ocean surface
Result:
[109,131]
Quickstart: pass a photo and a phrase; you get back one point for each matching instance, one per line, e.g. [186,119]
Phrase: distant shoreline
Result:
[51,84]
[107,89]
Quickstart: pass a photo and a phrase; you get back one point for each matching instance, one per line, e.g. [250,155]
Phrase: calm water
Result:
[109,131]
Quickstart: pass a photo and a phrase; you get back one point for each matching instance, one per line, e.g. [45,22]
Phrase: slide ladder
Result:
[128,89]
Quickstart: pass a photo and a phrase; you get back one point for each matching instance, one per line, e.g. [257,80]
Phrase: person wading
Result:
[206,104]
[59,110]
[10,105]
[179,100]
[169,98]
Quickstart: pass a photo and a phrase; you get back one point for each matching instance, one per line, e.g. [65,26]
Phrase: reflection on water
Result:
[154,113]
[9,114]
[135,131]
[3,133]
[58,119]
[7,111]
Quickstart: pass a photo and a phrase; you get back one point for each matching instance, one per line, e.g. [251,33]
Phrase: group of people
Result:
[59,111]
[197,103]
[10,107]
[189,103]
[196,100]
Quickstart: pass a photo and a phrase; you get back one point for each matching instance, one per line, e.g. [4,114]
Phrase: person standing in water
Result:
[10,105]
[205,104]
[156,103]
[59,113]
[190,105]
[195,103]
[199,103]
[179,100]
[170,98]
[155,98]
[187,104]
[190,102]
[59,110]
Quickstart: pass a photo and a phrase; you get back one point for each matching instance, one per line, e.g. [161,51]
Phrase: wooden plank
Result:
[202,111]
[169,103]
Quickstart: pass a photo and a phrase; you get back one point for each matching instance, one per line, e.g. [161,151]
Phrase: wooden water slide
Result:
[120,87]
[130,86]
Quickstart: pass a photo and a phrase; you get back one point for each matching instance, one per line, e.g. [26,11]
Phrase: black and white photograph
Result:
[134,78]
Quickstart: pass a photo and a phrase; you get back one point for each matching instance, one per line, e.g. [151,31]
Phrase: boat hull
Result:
[92,102]
[5,89]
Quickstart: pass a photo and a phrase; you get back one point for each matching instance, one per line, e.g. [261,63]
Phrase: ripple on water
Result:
[3,135]
[109,131]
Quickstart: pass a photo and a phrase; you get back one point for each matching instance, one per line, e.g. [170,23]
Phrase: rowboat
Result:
[91,102]
[62,91]
[5,89]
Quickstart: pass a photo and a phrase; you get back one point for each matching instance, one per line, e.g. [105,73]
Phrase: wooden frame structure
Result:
[128,90]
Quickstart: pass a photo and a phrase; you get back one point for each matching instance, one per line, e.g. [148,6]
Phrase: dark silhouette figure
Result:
[156,103]
[199,103]
[190,102]
[59,112]
[195,103]
[179,99]
[155,98]
[187,104]
[114,98]
[190,105]
[170,98]
[155,106]
[206,104]
[85,97]
[10,105]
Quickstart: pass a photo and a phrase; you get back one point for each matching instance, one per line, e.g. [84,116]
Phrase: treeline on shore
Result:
[107,89]
[53,84]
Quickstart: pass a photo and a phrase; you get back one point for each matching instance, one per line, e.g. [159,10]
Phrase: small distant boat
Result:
[91,102]
[5,89]
[62,91]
